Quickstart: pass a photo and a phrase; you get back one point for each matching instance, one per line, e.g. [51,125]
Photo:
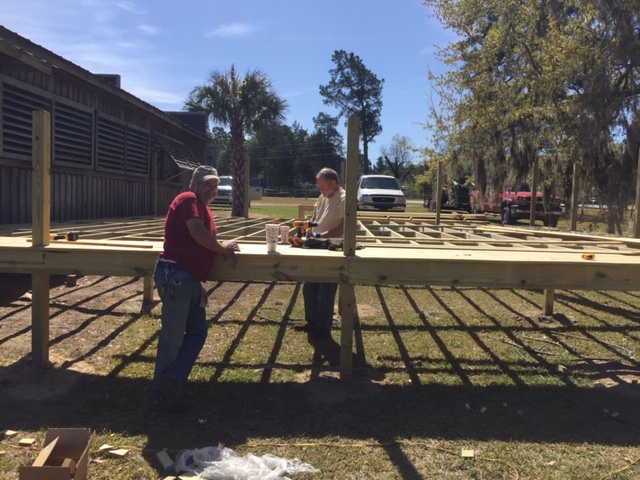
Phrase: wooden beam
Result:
[496,269]
[549,296]
[348,311]
[346,299]
[40,282]
[147,293]
[41,178]
[303,209]
[351,203]
[23,57]
[41,220]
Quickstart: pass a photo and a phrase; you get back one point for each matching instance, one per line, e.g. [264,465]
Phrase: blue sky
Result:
[164,48]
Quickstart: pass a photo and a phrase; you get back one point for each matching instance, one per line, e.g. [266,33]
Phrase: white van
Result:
[255,189]
[225,190]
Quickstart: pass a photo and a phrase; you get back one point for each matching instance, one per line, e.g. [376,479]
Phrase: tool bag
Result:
[312,242]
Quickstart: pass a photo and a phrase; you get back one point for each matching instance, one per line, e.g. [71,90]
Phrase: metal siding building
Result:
[113,155]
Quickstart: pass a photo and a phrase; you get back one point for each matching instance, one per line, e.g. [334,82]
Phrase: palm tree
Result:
[244,105]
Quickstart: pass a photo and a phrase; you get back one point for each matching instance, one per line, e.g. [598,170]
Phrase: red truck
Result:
[514,204]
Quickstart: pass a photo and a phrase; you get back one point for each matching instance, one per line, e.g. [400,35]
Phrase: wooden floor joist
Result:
[399,249]
[458,256]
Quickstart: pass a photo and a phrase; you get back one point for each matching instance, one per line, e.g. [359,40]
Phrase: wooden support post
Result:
[40,319]
[549,294]
[574,197]
[534,193]
[147,290]
[303,209]
[41,226]
[346,299]
[439,192]
[348,312]
[351,181]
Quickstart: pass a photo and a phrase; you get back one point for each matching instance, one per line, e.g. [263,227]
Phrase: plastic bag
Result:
[213,463]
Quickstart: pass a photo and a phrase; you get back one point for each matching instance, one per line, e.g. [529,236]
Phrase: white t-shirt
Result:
[329,211]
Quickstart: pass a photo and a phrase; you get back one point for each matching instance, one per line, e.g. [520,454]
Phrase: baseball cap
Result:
[204,173]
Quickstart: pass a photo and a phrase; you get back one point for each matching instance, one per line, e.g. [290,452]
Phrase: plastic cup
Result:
[272,231]
[284,233]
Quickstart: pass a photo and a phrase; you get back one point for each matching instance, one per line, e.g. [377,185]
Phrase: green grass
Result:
[589,219]
[437,371]
[287,207]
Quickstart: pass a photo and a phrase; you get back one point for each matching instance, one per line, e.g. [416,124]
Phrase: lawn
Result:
[590,219]
[437,372]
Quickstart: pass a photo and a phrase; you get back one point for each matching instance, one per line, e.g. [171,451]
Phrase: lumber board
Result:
[370,266]
[495,269]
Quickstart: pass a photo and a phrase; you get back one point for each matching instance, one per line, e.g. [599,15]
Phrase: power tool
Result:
[303,226]
[70,236]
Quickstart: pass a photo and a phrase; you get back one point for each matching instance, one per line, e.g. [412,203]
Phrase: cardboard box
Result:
[65,456]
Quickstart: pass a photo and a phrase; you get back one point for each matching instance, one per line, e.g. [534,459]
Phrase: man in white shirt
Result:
[319,298]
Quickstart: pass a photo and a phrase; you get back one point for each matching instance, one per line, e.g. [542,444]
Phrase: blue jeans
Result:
[319,299]
[184,324]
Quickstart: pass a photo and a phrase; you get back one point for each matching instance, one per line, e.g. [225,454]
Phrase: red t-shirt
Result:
[179,245]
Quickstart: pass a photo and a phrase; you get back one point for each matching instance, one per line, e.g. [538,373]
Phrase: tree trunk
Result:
[365,160]
[237,171]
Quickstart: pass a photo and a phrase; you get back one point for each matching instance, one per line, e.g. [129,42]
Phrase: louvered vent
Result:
[73,135]
[111,145]
[137,151]
[17,118]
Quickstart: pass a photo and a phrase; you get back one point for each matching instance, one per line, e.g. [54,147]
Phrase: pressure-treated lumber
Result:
[457,251]
[456,267]
[41,201]
[346,297]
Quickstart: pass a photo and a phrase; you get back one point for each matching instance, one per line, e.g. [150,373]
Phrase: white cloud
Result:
[128,6]
[161,99]
[148,29]
[231,30]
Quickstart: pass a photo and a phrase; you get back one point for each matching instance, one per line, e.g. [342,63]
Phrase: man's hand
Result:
[296,241]
[231,245]
[231,248]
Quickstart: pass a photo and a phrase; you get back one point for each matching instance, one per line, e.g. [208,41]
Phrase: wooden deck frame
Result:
[402,249]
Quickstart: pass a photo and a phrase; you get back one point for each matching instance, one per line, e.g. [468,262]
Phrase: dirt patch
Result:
[328,388]
[555,320]
[368,311]
[71,309]
[624,378]
[23,381]
[480,367]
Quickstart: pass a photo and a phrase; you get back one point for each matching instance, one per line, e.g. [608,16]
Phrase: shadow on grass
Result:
[320,406]
[359,410]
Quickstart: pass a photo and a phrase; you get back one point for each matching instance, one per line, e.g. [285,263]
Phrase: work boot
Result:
[174,398]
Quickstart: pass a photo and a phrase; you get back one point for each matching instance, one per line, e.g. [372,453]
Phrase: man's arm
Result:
[335,232]
[204,237]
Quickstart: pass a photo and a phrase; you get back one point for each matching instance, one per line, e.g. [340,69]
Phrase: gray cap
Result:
[204,173]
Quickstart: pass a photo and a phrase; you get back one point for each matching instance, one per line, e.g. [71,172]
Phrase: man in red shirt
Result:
[190,246]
